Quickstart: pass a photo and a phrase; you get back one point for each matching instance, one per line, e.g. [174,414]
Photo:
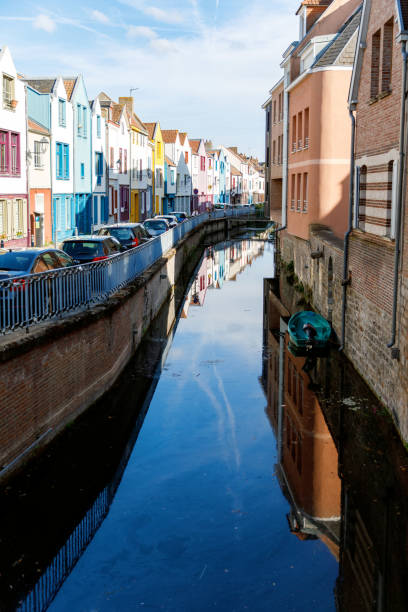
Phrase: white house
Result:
[117,148]
[13,146]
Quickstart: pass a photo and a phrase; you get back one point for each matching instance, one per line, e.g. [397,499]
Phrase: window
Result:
[305,187]
[125,161]
[111,158]
[140,170]
[79,119]
[85,122]
[300,134]
[387,57]
[186,156]
[299,191]
[273,154]
[172,176]
[66,161]
[159,149]
[62,160]
[274,111]
[4,152]
[18,218]
[38,163]
[375,63]
[294,147]
[3,219]
[120,160]
[306,129]
[292,192]
[202,163]
[9,153]
[82,170]
[8,92]
[15,153]
[61,113]
[98,126]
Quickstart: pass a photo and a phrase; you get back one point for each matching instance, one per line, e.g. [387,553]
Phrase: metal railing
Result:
[28,300]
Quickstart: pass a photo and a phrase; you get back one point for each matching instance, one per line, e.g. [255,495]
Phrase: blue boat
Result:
[309,330]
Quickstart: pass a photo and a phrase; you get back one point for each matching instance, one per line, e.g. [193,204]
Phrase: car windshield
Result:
[78,247]
[156,224]
[122,233]
[16,261]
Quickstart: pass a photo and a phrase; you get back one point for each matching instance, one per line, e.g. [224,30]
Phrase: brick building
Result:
[376,324]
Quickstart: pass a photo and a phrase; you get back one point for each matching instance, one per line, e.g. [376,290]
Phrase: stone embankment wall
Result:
[58,369]
[369,304]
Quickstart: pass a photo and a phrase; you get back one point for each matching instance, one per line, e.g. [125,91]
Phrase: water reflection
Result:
[341,465]
[52,510]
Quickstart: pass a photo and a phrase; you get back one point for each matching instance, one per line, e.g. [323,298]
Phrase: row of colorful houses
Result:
[69,164]
[336,142]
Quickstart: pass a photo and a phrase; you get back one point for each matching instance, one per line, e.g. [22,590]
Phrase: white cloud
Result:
[44,22]
[98,16]
[170,16]
[141,32]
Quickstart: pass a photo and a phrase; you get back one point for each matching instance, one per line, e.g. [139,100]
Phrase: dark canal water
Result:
[221,472]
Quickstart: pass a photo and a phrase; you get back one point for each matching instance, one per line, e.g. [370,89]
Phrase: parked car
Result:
[130,235]
[181,215]
[23,300]
[86,249]
[171,219]
[21,261]
[156,226]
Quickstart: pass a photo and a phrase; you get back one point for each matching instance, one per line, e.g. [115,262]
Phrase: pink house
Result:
[199,175]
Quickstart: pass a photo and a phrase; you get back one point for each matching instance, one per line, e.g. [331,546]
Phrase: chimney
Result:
[234,150]
[128,102]
[309,12]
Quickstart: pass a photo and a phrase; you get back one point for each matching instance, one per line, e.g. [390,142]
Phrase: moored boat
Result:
[308,329]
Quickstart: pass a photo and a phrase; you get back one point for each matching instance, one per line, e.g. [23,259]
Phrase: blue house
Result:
[49,96]
[222,178]
[82,158]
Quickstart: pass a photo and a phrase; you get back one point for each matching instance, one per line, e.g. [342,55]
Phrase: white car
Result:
[171,219]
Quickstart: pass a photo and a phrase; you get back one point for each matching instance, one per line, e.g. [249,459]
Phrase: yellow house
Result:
[156,137]
[139,167]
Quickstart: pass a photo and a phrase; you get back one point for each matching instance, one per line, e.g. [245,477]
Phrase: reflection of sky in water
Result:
[199,521]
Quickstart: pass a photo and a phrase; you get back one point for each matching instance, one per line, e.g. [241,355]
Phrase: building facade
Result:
[14,230]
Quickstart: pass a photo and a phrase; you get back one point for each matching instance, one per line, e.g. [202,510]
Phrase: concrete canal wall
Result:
[56,370]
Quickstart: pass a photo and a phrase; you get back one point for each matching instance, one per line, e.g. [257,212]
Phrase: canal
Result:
[221,472]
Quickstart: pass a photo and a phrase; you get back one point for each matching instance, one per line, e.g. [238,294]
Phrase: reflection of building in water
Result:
[372,464]
[220,263]
[307,453]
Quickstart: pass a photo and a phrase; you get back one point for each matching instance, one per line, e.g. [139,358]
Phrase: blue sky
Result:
[201,66]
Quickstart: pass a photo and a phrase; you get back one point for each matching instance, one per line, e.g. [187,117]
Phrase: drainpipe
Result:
[346,280]
[400,191]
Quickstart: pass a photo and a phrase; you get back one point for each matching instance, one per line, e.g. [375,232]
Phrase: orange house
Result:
[318,74]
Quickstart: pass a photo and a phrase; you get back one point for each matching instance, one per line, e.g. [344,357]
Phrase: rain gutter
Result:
[400,191]
[346,278]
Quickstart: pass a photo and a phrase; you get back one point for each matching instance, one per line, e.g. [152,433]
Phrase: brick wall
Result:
[55,372]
